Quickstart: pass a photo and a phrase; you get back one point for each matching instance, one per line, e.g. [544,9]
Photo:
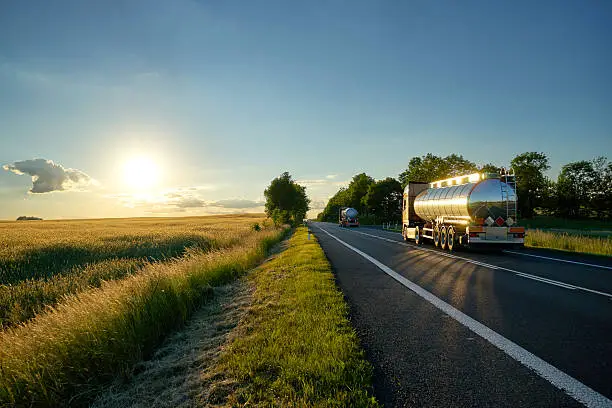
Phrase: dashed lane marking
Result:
[564,285]
[559,260]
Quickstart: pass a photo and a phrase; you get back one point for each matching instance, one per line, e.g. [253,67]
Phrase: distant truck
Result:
[348,217]
[475,210]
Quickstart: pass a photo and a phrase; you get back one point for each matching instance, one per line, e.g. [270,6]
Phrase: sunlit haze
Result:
[174,108]
[141,173]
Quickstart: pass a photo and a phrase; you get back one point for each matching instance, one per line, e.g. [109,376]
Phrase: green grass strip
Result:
[67,355]
[296,346]
[570,243]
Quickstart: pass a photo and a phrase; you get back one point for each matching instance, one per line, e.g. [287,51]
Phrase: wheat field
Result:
[40,262]
[82,301]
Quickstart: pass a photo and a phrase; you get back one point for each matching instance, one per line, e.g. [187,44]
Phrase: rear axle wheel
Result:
[451,239]
[418,236]
[443,238]
[436,236]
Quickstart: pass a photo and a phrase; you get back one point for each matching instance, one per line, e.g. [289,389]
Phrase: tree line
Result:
[582,190]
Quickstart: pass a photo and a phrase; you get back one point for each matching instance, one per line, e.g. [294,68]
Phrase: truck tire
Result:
[436,236]
[451,239]
[443,238]
[418,236]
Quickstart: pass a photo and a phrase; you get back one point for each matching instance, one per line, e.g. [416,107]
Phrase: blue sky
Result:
[218,98]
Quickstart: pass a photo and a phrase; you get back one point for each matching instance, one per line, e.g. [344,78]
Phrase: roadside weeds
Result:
[569,243]
[295,345]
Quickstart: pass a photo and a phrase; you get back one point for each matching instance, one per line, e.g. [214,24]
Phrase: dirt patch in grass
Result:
[280,336]
[172,378]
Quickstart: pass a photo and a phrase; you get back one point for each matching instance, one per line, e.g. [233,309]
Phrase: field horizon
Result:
[161,217]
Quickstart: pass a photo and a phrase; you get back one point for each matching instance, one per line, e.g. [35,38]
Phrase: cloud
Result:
[182,199]
[317,204]
[48,176]
[322,183]
[312,183]
[189,202]
[237,204]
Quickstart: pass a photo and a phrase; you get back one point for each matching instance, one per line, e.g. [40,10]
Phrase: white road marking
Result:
[495,267]
[552,282]
[560,260]
[571,386]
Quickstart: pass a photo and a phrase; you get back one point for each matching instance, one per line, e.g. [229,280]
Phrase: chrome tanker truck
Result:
[476,210]
[347,217]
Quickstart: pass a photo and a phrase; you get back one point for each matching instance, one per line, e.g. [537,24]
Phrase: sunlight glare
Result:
[141,173]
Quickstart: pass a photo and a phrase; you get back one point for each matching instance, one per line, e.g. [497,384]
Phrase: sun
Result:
[141,173]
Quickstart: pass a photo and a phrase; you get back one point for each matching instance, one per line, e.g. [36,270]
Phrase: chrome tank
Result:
[350,212]
[469,201]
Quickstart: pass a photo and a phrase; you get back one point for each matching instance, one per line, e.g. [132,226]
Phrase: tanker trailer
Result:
[348,217]
[476,210]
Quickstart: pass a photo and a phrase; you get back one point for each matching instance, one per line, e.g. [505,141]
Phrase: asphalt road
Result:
[524,329]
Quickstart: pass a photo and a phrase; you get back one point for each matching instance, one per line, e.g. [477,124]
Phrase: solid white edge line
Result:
[571,386]
[560,260]
[495,267]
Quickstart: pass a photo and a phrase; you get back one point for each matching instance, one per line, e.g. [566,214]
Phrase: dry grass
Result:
[40,262]
[41,249]
[172,377]
[566,242]
[67,355]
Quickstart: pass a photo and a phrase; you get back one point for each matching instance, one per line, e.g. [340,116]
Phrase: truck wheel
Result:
[418,237]
[451,238]
[436,236]
[443,238]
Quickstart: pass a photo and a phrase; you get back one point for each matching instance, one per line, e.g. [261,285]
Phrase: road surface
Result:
[522,329]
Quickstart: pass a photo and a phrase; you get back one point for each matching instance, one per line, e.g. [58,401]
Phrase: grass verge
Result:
[569,242]
[295,346]
[543,221]
[66,356]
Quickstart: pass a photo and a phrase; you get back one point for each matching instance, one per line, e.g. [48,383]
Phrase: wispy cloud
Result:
[238,203]
[328,181]
[48,176]
[189,202]
[184,199]
[313,183]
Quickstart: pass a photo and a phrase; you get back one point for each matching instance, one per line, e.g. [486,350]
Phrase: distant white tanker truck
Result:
[476,210]
[348,217]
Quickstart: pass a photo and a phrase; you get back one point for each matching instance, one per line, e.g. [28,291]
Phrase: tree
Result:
[550,201]
[384,199]
[600,198]
[357,190]
[286,201]
[583,188]
[489,168]
[330,213]
[531,182]
[431,167]
[352,196]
